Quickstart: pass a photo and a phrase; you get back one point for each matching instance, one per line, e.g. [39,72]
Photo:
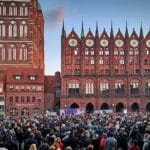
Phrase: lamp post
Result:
[113,106]
[65,109]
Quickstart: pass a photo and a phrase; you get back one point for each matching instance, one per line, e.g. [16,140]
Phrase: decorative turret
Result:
[82,31]
[141,32]
[63,33]
[96,32]
[126,31]
[119,30]
[111,31]
[133,31]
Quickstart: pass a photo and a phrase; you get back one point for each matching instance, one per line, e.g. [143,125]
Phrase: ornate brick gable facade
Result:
[105,71]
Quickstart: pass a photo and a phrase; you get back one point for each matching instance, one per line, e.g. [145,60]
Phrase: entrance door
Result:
[148,107]
[134,107]
[89,108]
[119,107]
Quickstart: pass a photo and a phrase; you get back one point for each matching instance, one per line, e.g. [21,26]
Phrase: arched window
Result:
[2,52]
[2,9]
[12,53]
[2,29]
[119,88]
[12,29]
[89,88]
[73,89]
[23,53]
[23,29]
[147,88]
[13,9]
[134,87]
[104,88]
[23,10]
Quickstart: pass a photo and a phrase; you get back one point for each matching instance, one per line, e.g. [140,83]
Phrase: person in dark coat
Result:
[28,142]
[72,141]
[11,143]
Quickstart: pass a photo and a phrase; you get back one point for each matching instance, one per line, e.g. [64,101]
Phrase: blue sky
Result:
[90,11]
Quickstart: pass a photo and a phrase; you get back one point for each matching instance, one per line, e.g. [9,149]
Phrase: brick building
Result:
[52,90]
[24,92]
[105,71]
[21,55]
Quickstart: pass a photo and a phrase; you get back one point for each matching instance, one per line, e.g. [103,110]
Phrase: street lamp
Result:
[113,106]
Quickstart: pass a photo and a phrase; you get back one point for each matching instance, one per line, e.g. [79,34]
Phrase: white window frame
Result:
[89,88]
[92,53]
[17,77]
[3,53]
[107,53]
[135,85]
[23,29]
[101,61]
[116,52]
[122,61]
[101,52]
[86,52]
[12,31]
[131,53]
[32,78]
[104,86]
[92,62]
[147,52]
[136,52]
[23,53]
[122,52]
[2,29]
[75,52]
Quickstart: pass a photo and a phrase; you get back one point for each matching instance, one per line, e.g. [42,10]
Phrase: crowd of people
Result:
[101,131]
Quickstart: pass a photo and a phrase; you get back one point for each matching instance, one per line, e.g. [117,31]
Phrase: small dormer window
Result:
[32,77]
[18,77]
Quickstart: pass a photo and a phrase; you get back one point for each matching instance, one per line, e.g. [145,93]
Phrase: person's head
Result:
[90,147]
[68,148]
[52,147]
[104,135]
[58,139]
[134,143]
[146,135]
[111,134]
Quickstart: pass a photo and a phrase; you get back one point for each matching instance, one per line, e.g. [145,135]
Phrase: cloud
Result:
[55,17]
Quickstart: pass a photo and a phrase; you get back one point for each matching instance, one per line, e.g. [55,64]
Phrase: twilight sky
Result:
[90,11]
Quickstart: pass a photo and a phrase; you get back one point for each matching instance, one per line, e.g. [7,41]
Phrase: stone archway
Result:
[119,107]
[148,107]
[74,105]
[89,108]
[135,107]
[104,106]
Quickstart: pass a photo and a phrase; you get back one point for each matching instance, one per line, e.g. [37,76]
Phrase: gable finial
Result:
[63,29]
[111,31]
[126,31]
[96,32]
[82,31]
[141,31]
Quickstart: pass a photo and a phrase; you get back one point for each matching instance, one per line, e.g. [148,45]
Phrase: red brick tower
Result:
[21,46]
